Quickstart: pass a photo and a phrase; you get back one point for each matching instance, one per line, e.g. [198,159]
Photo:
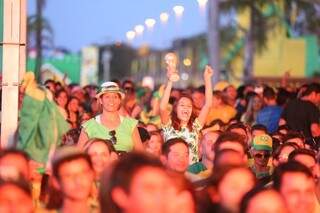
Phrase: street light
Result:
[150,22]
[164,17]
[202,3]
[139,29]
[130,35]
[202,6]
[178,10]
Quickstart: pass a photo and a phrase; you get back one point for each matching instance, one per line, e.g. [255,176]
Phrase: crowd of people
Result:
[214,148]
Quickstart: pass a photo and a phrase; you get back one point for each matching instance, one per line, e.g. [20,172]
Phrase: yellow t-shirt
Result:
[225,114]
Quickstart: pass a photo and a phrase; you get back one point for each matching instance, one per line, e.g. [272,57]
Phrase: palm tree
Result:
[40,34]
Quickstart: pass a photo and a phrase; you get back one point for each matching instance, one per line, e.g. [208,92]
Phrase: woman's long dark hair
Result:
[174,117]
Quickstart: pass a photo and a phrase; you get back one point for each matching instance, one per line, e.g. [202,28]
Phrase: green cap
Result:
[262,143]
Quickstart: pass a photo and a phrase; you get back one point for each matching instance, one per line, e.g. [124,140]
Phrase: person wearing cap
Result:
[122,131]
[261,151]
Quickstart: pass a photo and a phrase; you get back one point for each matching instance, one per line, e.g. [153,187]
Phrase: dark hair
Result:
[57,164]
[219,95]
[175,119]
[250,195]
[13,151]
[291,166]
[237,125]
[57,93]
[230,136]
[121,176]
[165,149]
[302,151]
[278,150]
[293,134]
[313,87]
[269,93]
[49,81]
[92,141]
[219,155]
[219,175]
[259,127]
[200,89]
[215,122]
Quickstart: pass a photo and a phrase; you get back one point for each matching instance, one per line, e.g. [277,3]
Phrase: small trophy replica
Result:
[172,61]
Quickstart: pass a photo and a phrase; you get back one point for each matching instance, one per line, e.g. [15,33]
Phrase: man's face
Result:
[261,158]
[207,143]
[198,99]
[233,186]
[75,179]
[270,201]
[148,191]
[100,156]
[231,92]
[18,162]
[298,191]
[309,162]
[14,200]
[178,158]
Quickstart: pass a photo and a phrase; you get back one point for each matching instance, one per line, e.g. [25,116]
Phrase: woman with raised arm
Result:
[122,131]
[182,122]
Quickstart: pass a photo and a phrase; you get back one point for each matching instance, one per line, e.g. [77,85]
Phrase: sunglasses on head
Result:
[113,137]
[260,156]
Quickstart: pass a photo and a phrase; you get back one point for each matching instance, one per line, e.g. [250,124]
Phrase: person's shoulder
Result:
[90,122]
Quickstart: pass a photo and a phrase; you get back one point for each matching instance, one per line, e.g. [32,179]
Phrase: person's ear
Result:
[163,159]
[120,198]
[113,156]
[99,100]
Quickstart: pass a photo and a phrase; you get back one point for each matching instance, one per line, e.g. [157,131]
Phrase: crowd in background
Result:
[133,148]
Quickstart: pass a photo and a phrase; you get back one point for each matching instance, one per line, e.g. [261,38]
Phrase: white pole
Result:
[13,66]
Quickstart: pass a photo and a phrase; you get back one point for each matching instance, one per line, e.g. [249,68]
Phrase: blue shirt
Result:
[269,116]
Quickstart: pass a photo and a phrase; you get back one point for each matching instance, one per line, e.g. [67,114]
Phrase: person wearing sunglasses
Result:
[110,124]
[260,151]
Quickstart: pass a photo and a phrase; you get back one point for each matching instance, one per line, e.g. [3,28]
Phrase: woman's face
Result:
[154,145]
[99,155]
[62,99]
[216,101]
[257,103]
[111,101]
[184,109]
[73,105]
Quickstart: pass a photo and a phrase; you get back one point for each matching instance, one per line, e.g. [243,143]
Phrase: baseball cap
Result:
[262,143]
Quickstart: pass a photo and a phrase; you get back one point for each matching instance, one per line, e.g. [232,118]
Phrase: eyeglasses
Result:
[113,136]
[260,156]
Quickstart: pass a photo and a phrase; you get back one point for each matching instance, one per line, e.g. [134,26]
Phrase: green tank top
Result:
[124,131]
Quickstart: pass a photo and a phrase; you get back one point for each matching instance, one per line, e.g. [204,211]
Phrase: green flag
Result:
[41,125]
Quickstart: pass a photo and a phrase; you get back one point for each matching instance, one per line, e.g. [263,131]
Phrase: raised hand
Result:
[208,73]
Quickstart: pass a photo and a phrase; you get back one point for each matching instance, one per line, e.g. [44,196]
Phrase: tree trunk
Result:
[249,50]
[213,38]
[38,39]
